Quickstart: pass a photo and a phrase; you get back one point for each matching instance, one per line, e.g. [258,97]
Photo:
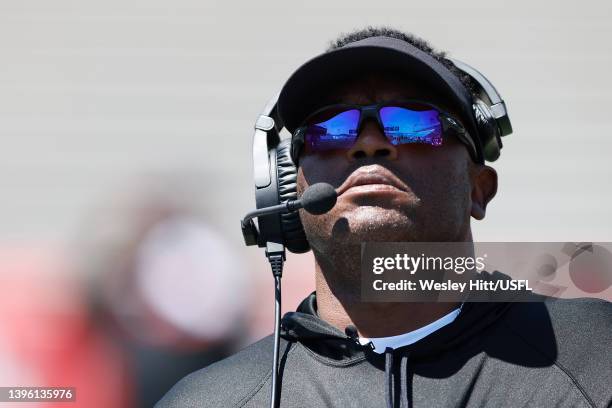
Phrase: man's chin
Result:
[369,223]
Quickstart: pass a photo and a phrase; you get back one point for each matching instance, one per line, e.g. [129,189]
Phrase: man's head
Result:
[388,192]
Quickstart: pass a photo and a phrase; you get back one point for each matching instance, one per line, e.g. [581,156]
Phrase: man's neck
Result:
[339,302]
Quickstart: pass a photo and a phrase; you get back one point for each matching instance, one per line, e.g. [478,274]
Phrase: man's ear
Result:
[484,187]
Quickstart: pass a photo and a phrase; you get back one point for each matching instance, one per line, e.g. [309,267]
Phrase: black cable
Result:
[276,262]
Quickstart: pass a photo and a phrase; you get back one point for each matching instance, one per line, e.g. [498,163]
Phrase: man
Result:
[339,351]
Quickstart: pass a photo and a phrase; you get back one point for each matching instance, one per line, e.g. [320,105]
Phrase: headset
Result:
[275,173]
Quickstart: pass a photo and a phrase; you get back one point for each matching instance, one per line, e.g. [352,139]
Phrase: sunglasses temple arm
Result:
[449,123]
[297,144]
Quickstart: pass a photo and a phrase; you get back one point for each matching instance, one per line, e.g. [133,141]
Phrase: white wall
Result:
[95,96]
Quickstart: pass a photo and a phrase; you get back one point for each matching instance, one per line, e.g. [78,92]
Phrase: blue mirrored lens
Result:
[338,132]
[404,125]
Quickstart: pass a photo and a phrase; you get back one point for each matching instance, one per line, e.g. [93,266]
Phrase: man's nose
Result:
[371,142]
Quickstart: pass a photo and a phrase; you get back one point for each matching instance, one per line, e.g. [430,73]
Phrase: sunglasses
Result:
[337,126]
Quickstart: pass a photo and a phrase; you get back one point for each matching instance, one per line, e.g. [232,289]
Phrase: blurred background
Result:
[125,166]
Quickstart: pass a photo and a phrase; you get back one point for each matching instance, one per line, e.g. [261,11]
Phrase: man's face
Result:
[410,192]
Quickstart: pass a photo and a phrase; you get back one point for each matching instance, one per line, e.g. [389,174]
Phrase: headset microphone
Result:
[316,199]
[319,198]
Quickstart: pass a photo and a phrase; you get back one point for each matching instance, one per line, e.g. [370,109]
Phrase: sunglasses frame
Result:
[373,111]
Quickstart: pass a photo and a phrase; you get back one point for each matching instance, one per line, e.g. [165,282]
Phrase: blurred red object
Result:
[47,336]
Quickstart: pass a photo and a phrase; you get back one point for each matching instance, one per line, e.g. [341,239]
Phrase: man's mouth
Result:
[374,179]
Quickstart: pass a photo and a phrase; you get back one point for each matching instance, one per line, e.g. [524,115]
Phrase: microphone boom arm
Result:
[249,230]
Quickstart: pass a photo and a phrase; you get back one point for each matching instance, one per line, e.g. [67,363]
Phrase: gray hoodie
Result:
[551,353]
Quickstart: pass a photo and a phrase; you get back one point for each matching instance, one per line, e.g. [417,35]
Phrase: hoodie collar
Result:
[305,326]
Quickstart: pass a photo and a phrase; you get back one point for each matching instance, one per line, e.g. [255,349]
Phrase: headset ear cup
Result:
[294,236]
[487,128]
